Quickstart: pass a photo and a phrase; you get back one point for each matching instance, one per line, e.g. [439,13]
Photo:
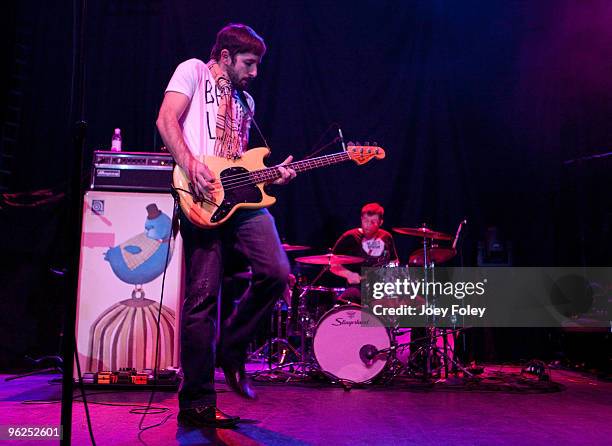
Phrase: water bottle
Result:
[116,141]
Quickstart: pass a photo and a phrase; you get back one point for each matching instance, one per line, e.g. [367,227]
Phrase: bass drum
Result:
[346,344]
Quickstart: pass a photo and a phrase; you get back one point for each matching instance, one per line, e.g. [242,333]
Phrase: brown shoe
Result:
[208,416]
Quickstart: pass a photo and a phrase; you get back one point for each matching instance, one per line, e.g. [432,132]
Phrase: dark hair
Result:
[238,38]
[373,209]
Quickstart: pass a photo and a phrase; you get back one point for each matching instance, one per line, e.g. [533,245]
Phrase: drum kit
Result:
[324,334]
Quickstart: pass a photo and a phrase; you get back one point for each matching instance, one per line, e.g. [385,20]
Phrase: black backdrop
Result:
[476,103]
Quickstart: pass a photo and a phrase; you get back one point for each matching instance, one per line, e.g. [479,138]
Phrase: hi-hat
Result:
[435,255]
[423,232]
[287,247]
[329,259]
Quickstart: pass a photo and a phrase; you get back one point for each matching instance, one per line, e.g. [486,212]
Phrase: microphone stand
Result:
[75,206]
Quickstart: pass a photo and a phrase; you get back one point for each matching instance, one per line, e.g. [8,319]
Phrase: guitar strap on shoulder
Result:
[242,100]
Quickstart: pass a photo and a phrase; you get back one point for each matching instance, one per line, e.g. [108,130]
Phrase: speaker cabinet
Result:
[126,239]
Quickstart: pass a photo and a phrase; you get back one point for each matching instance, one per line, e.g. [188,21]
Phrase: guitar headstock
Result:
[362,154]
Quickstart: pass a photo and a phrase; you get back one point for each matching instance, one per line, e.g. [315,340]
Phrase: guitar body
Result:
[235,191]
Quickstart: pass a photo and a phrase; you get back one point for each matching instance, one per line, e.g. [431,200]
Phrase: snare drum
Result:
[346,344]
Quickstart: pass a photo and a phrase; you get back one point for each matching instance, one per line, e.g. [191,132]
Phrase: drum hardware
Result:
[278,338]
[327,261]
[425,350]
[306,320]
[340,348]
[428,257]
[306,317]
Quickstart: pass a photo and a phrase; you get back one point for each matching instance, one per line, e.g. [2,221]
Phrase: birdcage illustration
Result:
[125,335]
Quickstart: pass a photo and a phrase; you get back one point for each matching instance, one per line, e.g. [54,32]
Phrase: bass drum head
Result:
[340,337]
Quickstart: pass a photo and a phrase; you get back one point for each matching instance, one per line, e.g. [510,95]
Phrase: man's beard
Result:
[236,83]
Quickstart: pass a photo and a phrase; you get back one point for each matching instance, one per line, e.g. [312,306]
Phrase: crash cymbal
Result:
[329,259]
[423,232]
[288,248]
[435,254]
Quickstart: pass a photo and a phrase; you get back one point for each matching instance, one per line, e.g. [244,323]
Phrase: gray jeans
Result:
[253,234]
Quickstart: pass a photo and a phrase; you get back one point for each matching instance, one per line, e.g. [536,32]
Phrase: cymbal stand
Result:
[431,330]
[280,340]
[305,363]
[428,349]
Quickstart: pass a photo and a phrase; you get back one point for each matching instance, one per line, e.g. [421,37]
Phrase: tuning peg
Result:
[375,143]
[367,143]
[350,143]
[357,143]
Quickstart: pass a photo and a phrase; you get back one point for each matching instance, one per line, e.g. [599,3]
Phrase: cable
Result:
[82,388]
[161,301]
[316,149]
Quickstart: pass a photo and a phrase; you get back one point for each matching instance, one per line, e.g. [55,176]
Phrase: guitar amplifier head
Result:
[131,171]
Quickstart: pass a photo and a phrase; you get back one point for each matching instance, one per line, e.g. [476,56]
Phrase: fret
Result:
[272,173]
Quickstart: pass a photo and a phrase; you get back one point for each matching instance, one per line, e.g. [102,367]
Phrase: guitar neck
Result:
[272,173]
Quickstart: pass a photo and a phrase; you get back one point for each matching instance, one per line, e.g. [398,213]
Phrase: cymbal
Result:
[329,259]
[435,254]
[423,232]
[287,247]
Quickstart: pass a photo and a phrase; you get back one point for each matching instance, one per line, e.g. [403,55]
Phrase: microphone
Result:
[367,353]
[463,222]
[341,138]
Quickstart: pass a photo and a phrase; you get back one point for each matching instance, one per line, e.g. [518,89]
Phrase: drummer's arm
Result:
[351,277]
[342,246]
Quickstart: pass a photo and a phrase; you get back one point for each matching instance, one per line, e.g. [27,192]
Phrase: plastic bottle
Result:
[116,141]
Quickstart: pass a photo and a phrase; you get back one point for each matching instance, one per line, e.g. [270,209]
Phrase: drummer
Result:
[370,242]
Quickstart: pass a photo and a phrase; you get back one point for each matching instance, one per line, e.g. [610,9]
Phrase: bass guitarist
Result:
[204,113]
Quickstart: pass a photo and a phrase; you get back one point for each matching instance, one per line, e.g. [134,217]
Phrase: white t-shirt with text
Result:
[193,79]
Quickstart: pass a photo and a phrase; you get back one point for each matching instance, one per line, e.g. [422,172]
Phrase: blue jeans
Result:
[253,234]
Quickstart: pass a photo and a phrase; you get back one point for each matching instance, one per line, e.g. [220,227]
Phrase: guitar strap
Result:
[242,100]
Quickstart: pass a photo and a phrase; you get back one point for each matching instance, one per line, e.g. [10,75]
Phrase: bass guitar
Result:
[241,182]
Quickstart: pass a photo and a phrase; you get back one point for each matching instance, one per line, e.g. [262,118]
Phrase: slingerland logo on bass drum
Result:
[340,321]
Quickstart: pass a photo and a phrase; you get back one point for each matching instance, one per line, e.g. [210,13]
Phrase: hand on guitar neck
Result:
[287,173]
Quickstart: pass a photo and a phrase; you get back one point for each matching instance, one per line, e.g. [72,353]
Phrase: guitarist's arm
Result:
[173,106]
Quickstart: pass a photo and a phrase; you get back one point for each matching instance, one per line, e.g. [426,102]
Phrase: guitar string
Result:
[270,173]
[306,163]
[262,175]
[244,178]
[255,178]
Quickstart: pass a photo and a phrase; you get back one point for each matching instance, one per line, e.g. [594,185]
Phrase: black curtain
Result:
[477,104]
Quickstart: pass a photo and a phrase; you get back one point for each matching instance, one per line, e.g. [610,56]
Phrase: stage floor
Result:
[294,414]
